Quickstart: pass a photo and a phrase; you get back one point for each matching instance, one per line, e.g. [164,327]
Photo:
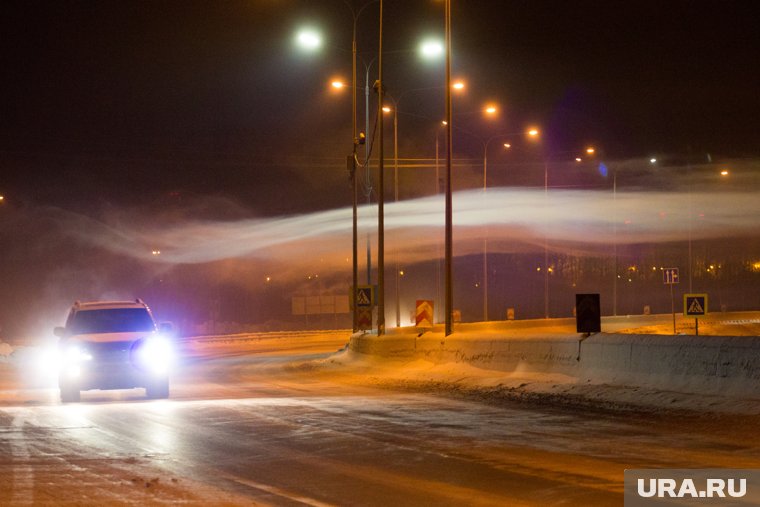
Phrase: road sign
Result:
[424,314]
[670,276]
[588,315]
[364,296]
[695,305]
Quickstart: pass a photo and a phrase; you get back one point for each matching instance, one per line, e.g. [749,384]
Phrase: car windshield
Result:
[113,320]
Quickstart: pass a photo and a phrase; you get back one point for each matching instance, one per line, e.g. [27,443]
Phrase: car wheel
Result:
[158,388]
[69,393]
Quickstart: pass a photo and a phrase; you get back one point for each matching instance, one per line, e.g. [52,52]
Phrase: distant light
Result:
[491,109]
[507,145]
[156,252]
[459,85]
[652,160]
[431,49]
[309,39]
[603,169]
[590,150]
[578,159]
[444,123]
[337,84]
[2,198]
[533,132]
[268,279]
[401,272]
[724,172]
[386,109]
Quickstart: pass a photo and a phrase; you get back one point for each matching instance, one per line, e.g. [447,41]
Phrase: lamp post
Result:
[381,191]
[311,41]
[448,212]
[531,133]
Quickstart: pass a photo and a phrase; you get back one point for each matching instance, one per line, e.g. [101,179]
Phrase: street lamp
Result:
[309,39]
[448,253]
[531,133]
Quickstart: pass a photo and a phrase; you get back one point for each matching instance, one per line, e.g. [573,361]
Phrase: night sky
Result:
[135,114]
[130,102]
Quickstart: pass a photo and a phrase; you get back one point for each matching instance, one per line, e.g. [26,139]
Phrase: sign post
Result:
[364,303]
[695,305]
[670,277]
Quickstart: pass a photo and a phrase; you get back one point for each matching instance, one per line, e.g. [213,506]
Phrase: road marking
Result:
[279,492]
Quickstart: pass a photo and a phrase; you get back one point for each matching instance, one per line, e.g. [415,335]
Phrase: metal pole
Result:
[485,236]
[354,225]
[449,151]
[615,245]
[367,173]
[437,310]
[546,245]
[395,192]
[381,190]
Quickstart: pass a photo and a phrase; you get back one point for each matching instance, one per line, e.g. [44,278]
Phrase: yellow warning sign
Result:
[694,305]
[424,314]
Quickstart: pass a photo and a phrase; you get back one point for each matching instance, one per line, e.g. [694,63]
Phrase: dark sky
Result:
[139,102]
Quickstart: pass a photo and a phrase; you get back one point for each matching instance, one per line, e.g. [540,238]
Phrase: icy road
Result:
[269,421]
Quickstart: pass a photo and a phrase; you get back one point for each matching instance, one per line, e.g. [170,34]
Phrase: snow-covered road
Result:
[269,422]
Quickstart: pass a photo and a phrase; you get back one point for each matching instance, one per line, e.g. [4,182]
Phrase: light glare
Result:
[431,49]
[309,39]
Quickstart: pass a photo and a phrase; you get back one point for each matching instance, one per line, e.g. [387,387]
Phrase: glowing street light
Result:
[431,49]
[338,84]
[490,109]
[590,150]
[724,172]
[459,85]
[309,39]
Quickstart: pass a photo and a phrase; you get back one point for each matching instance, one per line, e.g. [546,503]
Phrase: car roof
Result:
[106,305]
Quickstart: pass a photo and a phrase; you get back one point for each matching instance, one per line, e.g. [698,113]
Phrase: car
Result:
[113,345]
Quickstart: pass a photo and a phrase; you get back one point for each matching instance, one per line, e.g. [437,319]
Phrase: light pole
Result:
[531,133]
[449,217]
[311,41]
[381,191]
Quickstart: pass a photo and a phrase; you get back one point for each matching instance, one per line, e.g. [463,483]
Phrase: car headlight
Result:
[155,355]
[75,354]
[72,359]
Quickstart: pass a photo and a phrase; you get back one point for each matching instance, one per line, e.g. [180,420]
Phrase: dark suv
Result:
[113,345]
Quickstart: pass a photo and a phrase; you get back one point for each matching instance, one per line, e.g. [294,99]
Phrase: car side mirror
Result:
[59,331]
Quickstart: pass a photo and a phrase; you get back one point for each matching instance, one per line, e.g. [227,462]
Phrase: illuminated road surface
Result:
[247,427]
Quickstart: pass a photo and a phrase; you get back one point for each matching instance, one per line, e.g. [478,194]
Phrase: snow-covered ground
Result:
[283,394]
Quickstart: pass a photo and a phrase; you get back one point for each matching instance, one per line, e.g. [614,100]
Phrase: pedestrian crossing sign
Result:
[694,305]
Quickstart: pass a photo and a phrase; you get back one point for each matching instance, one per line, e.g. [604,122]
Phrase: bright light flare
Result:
[309,39]
[156,355]
[431,49]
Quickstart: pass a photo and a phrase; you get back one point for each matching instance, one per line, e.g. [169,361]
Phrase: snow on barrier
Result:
[690,364]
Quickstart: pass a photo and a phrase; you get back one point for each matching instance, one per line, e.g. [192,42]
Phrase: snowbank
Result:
[693,372]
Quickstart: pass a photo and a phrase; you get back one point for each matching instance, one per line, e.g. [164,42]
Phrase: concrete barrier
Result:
[690,364]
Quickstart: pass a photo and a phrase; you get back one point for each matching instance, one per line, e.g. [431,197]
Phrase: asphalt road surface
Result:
[265,424]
